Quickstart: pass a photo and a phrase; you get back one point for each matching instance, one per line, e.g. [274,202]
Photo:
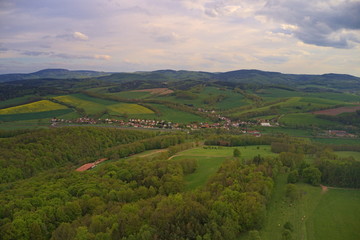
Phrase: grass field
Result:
[39,106]
[90,107]
[132,94]
[318,215]
[14,101]
[93,105]
[339,141]
[287,131]
[355,155]
[272,93]
[336,96]
[336,216]
[305,120]
[173,115]
[25,124]
[291,105]
[231,100]
[209,160]
[128,108]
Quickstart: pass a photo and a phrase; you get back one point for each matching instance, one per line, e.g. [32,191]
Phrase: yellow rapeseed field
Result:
[39,106]
[129,108]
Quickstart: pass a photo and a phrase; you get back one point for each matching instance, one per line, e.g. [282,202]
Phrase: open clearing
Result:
[210,158]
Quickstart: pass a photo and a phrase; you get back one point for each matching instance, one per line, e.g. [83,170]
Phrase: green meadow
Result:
[132,94]
[338,141]
[173,115]
[14,101]
[272,93]
[318,215]
[344,154]
[34,115]
[305,120]
[230,100]
[93,105]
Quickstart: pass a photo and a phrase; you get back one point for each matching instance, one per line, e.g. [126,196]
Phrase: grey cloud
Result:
[35,53]
[274,59]
[70,56]
[76,36]
[318,22]
[53,54]
[167,38]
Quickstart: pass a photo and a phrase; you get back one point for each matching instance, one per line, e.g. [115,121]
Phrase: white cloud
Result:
[80,36]
[209,35]
[102,57]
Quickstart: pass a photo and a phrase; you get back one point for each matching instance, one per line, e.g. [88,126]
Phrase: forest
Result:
[144,197]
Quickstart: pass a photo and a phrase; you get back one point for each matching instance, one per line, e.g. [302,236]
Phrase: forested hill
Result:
[244,77]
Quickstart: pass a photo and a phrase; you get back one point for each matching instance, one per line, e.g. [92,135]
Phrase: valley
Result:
[241,155]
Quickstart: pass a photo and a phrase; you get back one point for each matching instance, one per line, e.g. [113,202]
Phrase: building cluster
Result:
[224,123]
[339,133]
[146,123]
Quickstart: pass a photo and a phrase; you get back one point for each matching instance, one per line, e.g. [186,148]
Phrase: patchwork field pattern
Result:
[94,105]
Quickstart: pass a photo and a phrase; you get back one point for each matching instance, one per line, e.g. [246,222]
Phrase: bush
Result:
[236,153]
[293,177]
[311,175]
[289,226]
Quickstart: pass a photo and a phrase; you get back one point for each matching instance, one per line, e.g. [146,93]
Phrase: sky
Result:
[289,36]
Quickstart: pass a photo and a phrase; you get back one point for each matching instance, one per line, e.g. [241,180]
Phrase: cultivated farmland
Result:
[337,111]
[39,106]
[93,105]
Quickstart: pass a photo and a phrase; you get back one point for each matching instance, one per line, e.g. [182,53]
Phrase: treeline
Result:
[138,199]
[242,140]
[158,142]
[278,144]
[24,155]
[81,111]
[338,171]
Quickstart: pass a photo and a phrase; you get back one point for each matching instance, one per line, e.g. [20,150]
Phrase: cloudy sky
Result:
[290,36]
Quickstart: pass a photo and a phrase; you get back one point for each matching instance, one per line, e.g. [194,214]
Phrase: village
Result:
[223,123]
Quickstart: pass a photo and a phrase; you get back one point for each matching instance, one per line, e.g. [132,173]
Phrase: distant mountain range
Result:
[249,77]
[51,73]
